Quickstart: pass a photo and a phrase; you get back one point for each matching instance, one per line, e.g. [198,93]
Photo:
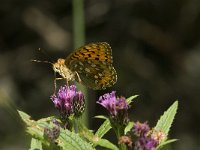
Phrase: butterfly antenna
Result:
[41,61]
[45,54]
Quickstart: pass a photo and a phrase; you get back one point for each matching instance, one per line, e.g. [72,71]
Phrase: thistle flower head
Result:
[147,139]
[117,108]
[112,103]
[141,129]
[52,134]
[144,143]
[69,101]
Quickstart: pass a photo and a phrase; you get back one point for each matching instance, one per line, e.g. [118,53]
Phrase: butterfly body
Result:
[63,70]
[90,65]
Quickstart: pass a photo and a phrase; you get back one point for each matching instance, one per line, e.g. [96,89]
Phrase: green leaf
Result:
[130,99]
[107,144]
[96,141]
[35,144]
[166,120]
[103,129]
[48,119]
[72,141]
[128,127]
[165,143]
[66,140]
[25,117]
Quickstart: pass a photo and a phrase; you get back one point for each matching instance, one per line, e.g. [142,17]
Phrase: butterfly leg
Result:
[79,79]
[55,85]
[67,83]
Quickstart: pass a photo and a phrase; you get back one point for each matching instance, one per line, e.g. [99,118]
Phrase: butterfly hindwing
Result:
[98,77]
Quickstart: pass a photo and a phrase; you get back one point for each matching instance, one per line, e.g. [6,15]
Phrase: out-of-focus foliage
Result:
[155,48]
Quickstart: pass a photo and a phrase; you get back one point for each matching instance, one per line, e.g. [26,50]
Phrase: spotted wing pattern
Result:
[92,65]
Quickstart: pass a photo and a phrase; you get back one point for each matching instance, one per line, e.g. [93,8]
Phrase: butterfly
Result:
[90,65]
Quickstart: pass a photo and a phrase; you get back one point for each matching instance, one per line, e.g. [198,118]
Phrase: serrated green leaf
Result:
[128,127]
[66,140]
[23,115]
[96,138]
[107,144]
[48,119]
[166,120]
[130,99]
[37,133]
[72,141]
[165,143]
[35,144]
[103,129]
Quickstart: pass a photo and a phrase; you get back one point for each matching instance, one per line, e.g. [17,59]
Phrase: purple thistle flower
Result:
[117,108]
[145,143]
[112,103]
[121,104]
[151,144]
[147,139]
[78,104]
[65,99]
[108,101]
[141,129]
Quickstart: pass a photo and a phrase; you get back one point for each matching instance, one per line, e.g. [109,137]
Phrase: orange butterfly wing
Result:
[93,64]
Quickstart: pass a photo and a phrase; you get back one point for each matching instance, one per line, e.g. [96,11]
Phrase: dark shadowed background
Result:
[156,50]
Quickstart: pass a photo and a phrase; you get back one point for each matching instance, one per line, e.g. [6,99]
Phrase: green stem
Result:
[75,125]
[119,133]
[78,23]
[79,40]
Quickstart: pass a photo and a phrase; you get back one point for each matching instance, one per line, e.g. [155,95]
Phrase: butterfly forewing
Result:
[94,51]
[93,65]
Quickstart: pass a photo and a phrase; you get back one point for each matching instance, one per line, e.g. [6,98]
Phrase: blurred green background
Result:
[156,50]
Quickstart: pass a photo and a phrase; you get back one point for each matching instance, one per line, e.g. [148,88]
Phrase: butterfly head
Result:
[63,70]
